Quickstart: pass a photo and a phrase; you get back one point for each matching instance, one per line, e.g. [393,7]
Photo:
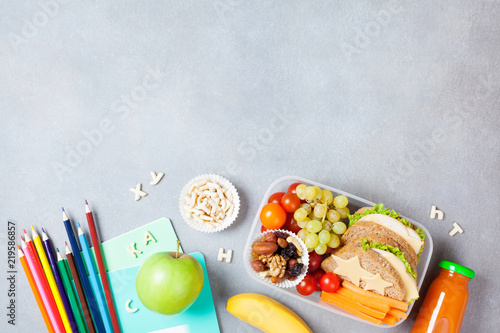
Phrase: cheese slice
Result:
[408,234]
[409,283]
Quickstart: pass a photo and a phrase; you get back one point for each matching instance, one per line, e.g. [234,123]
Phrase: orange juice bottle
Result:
[445,303]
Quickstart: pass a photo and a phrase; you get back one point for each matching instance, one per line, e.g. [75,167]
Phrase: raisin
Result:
[296,269]
[281,234]
[290,252]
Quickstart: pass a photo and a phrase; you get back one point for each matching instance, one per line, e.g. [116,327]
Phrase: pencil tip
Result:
[32,227]
[57,249]
[43,230]
[18,247]
[79,226]
[86,202]
[25,231]
[65,243]
[22,238]
[63,209]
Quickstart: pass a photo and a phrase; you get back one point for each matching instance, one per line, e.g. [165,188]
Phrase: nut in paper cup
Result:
[284,283]
[211,189]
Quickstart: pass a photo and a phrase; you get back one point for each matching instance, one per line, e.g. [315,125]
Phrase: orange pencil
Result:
[34,288]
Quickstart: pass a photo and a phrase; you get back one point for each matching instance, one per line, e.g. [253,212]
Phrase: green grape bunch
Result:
[320,218]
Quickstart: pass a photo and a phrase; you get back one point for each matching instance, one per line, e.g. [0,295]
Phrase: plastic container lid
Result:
[457,268]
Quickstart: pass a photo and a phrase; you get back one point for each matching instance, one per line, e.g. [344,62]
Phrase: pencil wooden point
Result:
[65,216]
[59,256]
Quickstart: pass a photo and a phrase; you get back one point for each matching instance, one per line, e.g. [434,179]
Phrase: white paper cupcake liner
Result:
[285,283]
[206,227]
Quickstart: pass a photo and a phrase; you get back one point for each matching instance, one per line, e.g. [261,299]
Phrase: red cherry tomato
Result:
[273,216]
[276,197]
[307,286]
[292,188]
[290,202]
[314,261]
[291,224]
[262,229]
[329,282]
[317,275]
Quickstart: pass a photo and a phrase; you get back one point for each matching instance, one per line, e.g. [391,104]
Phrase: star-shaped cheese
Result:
[376,283]
[350,268]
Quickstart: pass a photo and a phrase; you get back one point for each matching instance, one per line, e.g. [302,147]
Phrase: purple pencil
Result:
[53,264]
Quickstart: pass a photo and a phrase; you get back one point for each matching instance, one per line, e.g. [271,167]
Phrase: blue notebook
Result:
[200,317]
[123,265]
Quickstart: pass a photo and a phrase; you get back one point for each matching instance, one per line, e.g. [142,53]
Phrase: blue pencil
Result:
[83,275]
[93,280]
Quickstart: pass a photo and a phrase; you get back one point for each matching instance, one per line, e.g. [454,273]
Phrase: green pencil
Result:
[61,266]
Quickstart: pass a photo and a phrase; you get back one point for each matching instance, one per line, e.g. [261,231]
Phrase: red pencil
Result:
[102,270]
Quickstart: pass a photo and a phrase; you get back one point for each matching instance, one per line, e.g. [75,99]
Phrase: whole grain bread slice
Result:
[365,228]
[373,263]
[414,227]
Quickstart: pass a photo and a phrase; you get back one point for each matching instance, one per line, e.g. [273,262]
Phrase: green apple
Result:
[168,282]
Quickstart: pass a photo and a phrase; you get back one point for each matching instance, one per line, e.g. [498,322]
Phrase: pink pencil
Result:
[54,316]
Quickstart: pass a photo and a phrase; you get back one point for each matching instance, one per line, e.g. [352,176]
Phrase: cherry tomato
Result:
[291,224]
[273,216]
[290,202]
[276,197]
[329,282]
[314,261]
[307,286]
[292,188]
[317,275]
[262,229]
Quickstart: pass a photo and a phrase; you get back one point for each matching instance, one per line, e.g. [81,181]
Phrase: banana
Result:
[266,314]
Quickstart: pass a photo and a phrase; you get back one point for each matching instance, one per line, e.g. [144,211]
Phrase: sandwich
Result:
[379,252]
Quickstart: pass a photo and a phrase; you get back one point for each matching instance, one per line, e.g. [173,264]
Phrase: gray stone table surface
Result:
[394,101]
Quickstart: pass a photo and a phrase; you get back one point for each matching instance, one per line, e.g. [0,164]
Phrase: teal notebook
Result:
[200,317]
[123,260]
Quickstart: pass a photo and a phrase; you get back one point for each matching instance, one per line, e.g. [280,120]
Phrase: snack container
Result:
[355,202]
[205,227]
[267,280]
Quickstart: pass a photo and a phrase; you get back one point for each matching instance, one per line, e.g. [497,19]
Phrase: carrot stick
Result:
[389,320]
[399,305]
[398,314]
[371,302]
[356,309]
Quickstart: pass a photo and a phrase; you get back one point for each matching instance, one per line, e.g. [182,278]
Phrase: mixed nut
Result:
[278,256]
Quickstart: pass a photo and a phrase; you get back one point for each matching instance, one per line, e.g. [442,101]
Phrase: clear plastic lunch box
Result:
[355,202]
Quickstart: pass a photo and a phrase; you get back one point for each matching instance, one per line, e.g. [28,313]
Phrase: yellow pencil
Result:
[50,278]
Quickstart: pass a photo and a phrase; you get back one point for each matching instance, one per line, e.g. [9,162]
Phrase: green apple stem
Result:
[177,253]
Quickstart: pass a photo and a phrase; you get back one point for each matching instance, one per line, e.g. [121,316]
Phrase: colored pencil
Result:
[94,308]
[35,290]
[73,301]
[53,264]
[43,285]
[94,282]
[50,278]
[102,270]
[79,289]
